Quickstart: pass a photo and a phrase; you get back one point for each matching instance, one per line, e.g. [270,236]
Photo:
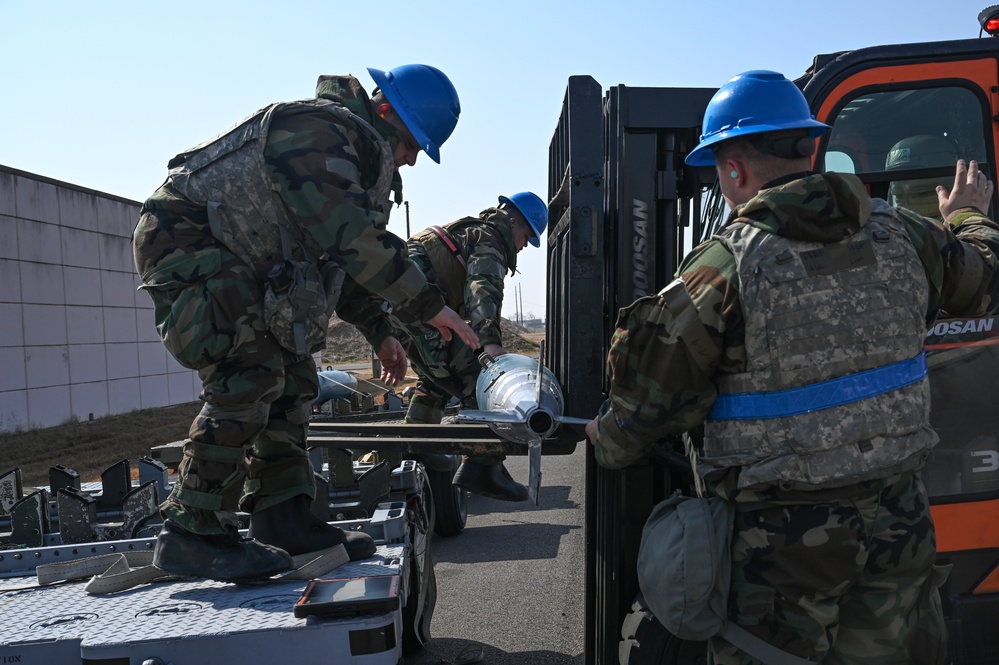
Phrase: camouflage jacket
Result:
[658,389]
[487,250]
[322,170]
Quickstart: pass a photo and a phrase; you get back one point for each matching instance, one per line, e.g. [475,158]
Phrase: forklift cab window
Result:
[904,142]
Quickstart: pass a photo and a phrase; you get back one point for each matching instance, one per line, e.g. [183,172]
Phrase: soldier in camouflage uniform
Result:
[467,261]
[791,349]
[244,250]
[923,151]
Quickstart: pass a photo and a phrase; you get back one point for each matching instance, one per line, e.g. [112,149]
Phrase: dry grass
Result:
[91,447]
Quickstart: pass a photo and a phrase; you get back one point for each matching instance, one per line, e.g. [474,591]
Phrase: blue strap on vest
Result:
[822,395]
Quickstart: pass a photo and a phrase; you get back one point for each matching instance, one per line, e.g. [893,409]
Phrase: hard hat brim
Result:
[703,154]
[381,80]
[535,240]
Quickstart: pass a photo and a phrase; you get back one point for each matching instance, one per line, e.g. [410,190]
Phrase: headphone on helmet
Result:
[788,147]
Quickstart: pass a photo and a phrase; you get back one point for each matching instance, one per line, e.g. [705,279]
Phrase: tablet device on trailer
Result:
[349,596]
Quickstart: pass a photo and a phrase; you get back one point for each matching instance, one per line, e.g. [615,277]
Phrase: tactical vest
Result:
[228,175]
[450,268]
[835,391]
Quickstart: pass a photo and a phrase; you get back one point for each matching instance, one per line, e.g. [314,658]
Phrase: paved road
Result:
[512,581]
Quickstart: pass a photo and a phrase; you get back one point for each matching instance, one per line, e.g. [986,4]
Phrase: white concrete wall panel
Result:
[46,366]
[83,286]
[123,362]
[10,281]
[80,248]
[146,325]
[78,210]
[89,399]
[116,254]
[123,395]
[36,200]
[116,289]
[85,325]
[155,391]
[87,364]
[43,283]
[8,234]
[116,218]
[38,242]
[11,325]
[76,336]
[14,374]
[7,202]
[45,324]
[48,407]
[152,359]
[119,324]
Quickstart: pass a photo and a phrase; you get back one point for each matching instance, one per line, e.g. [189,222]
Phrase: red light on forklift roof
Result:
[988,18]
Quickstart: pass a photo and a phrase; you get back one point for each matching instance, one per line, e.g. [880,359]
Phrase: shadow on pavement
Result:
[520,542]
[446,650]
[553,497]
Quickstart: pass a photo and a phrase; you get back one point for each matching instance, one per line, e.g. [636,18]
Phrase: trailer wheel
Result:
[421,597]
[450,504]
[645,641]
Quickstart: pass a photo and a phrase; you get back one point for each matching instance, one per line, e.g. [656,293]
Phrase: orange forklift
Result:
[624,209]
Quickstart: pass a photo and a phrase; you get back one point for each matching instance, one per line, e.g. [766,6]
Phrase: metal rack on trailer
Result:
[196,621]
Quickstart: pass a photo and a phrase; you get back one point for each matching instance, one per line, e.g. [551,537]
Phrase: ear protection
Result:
[792,148]
[788,147]
[735,175]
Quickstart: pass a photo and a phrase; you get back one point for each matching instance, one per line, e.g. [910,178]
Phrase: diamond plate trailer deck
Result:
[194,622]
[201,621]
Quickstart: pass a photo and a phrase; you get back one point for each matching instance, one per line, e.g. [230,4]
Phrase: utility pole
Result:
[520,304]
[407,220]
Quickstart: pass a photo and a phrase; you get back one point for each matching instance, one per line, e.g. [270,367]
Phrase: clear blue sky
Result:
[102,94]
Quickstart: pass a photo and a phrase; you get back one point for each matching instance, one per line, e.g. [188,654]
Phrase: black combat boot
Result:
[492,480]
[293,527]
[226,558]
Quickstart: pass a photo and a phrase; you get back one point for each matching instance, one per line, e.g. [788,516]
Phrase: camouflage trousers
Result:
[247,447]
[844,583]
[446,369]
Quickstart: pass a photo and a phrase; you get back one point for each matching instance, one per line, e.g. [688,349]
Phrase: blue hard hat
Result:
[753,103]
[534,211]
[425,100]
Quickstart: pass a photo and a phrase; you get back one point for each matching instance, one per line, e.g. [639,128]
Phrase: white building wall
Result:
[77,340]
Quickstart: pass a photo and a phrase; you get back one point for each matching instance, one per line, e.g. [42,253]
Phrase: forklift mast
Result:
[625,209]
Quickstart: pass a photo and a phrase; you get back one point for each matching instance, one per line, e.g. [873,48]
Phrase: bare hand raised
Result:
[971,188]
